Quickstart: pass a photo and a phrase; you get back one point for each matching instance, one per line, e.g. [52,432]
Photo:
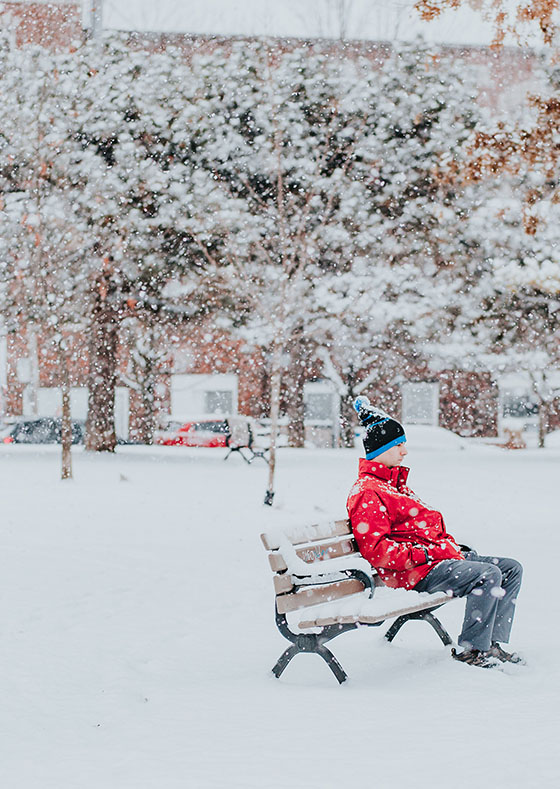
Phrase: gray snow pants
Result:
[490,584]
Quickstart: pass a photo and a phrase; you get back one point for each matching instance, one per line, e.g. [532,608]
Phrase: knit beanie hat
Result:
[382,432]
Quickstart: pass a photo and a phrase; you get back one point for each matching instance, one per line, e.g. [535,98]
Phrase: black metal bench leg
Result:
[425,616]
[395,627]
[320,650]
[439,628]
[332,663]
[258,455]
[284,659]
[237,449]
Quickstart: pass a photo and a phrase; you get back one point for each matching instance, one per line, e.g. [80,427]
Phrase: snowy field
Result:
[137,630]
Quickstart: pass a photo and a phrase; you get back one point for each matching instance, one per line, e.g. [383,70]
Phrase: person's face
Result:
[393,456]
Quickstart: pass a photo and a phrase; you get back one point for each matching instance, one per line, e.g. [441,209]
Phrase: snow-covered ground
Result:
[137,631]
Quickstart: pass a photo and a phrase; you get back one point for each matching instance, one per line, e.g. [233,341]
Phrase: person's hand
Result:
[420,555]
[446,550]
[465,548]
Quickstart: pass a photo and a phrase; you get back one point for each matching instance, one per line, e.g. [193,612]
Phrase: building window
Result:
[219,402]
[520,406]
[318,406]
[420,403]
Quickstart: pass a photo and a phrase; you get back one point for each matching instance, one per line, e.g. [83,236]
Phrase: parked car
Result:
[200,433]
[43,430]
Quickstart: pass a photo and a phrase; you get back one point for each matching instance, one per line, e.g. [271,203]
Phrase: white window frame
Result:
[49,403]
[188,393]
[409,390]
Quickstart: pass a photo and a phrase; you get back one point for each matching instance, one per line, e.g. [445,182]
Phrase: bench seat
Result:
[385,604]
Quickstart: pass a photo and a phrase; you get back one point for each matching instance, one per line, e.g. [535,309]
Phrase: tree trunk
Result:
[147,424]
[275,386]
[347,421]
[33,385]
[100,433]
[297,374]
[293,396]
[347,412]
[539,387]
[66,429]
[296,413]
[543,423]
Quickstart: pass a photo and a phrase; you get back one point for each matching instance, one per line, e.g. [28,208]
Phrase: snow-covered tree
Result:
[509,320]
[46,246]
[369,324]
[134,187]
[279,200]
[425,255]
[89,153]
[144,336]
[309,202]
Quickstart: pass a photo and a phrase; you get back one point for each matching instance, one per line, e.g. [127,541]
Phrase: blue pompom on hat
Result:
[382,431]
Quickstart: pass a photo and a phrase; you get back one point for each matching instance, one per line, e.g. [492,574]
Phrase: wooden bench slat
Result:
[316,552]
[371,620]
[283,584]
[269,542]
[277,563]
[319,552]
[314,595]
[299,535]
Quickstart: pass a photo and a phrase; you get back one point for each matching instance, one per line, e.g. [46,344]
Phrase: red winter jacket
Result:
[397,533]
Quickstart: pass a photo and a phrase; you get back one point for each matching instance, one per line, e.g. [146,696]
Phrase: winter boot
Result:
[474,657]
[505,657]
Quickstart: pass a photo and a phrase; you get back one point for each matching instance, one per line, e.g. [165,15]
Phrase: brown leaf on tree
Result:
[530,224]
[430,9]
[540,11]
[516,151]
[496,11]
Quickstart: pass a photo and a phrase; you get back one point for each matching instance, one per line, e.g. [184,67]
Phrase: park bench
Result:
[514,438]
[241,438]
[324,588]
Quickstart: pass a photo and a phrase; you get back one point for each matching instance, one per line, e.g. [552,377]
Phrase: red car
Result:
[203,433]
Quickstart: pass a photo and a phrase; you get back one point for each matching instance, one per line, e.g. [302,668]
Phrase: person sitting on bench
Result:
[407,543]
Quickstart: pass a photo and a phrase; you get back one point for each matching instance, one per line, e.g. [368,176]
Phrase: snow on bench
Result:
[325,587]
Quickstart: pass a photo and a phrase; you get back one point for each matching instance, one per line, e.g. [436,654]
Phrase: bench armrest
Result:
[317,578]
[366,579]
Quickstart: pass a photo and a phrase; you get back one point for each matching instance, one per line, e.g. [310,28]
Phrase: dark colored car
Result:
[44,430]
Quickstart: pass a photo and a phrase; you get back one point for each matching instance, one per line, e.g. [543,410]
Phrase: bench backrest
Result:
[295,557]
[240,431]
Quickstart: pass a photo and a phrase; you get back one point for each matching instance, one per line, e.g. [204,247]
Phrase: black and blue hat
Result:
[382,431]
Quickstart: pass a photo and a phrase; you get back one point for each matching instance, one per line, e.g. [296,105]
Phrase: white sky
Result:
[369,19]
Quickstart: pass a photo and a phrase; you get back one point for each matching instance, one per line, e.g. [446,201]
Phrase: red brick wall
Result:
[209,350]
[468,403]
[49,369]
[53,25]
[554,415]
